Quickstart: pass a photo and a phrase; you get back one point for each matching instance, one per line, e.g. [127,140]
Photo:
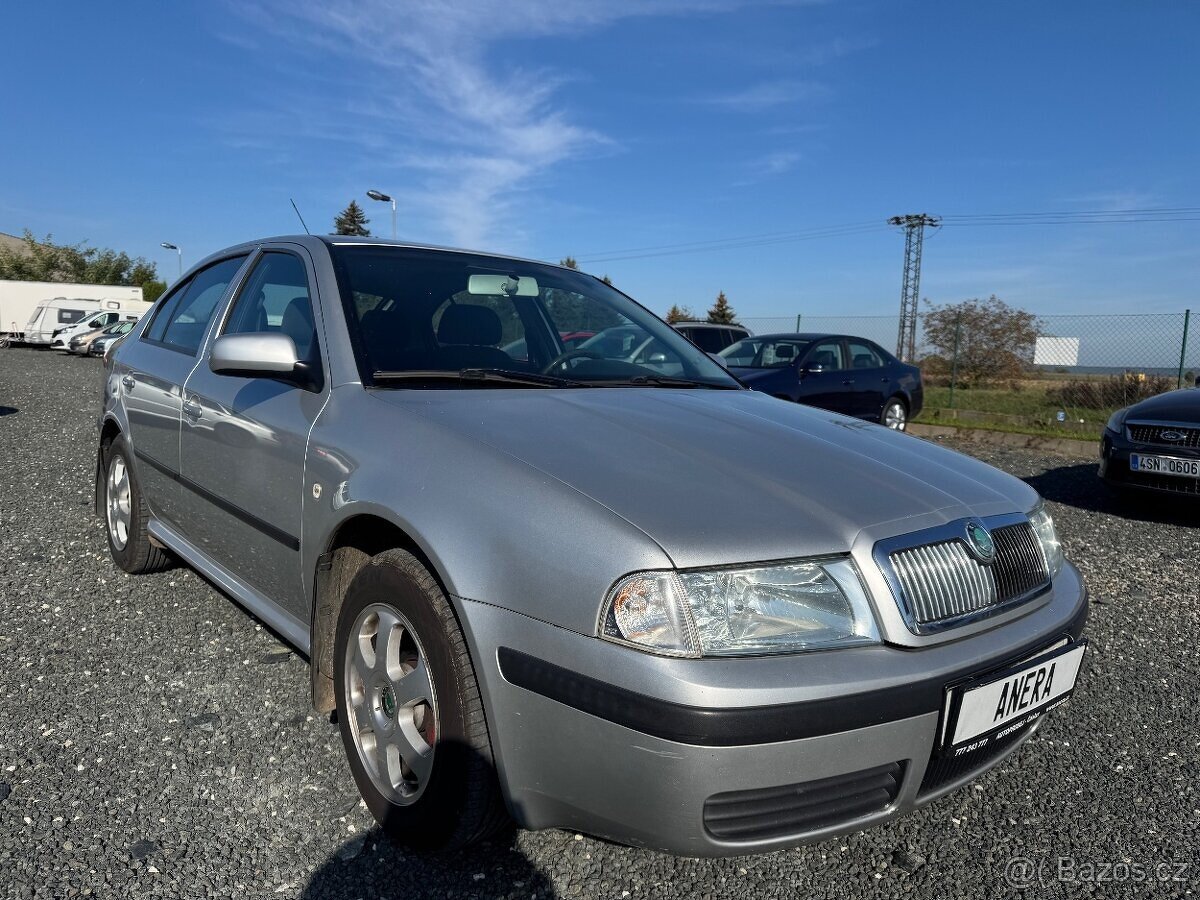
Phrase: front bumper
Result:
[1114,465]
[659,752]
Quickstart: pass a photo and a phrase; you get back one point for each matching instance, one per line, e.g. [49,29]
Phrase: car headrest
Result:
[477,326]
[863,361]
[785,351]
[297,324]
[824,359]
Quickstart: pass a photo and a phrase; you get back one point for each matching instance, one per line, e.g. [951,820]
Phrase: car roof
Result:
[340,240]
[690,324]
[793,336]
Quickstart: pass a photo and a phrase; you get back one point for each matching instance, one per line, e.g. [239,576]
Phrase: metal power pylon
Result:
[914,237]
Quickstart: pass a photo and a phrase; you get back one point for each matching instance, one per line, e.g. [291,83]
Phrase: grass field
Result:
[1025,407]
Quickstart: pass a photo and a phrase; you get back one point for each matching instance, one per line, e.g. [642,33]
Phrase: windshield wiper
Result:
[668,381]
[506,376]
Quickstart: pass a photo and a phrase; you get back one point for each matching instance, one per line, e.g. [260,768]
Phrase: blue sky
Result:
[594,127]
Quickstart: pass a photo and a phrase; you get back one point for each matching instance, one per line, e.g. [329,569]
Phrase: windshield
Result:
[764,353]
[444,317]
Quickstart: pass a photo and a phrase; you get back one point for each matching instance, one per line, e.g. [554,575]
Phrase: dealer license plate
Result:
[1012,699]
[1164,465]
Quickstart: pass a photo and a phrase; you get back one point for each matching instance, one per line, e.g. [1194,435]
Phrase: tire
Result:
[125,513]
[449,796]
[894,415]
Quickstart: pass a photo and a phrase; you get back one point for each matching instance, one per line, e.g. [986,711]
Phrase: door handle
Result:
[192,409]
[128,382]
[848,381]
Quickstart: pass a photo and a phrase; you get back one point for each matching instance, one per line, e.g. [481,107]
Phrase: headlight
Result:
[1116,422]
[751,611]
[1043,526]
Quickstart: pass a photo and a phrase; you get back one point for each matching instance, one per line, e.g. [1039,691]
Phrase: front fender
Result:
[496,529]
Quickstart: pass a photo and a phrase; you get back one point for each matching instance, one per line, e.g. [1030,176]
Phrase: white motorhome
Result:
[19,299]
[53,317]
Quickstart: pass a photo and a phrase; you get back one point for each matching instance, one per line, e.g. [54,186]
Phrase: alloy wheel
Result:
[118,508]
[895,417]
[390,698]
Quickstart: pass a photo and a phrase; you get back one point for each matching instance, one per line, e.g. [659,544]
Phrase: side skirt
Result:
[290,628]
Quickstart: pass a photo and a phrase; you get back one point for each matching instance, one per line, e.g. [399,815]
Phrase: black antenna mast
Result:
[298,216]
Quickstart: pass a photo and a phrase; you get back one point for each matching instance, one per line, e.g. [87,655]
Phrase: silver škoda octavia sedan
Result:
[620,595]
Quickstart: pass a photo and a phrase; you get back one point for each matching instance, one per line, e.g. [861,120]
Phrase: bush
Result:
[1109,393]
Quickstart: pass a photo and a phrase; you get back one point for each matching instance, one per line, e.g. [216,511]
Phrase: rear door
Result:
[243,440]
[870,375]
[151,373]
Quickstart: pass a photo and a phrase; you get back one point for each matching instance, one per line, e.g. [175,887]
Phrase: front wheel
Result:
[409,709]
[895,414]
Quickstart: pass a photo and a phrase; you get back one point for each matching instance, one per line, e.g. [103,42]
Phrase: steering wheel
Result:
[577,353]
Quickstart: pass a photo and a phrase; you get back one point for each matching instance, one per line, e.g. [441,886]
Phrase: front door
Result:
[824,378]
[244,439]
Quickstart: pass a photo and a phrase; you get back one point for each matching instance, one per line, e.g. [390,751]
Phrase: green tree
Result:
[569,262]
[992,340]
[352,221]
[45,260]
[678,313]
[152,290]
[721,313]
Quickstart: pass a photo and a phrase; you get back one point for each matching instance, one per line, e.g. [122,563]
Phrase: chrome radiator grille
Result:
[944,580]
[1147,433]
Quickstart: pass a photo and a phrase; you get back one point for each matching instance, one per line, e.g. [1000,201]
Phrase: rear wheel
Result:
[126,514]
[894,415]
[409,709]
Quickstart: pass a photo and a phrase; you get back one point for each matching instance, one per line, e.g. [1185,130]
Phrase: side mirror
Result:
[261,355]
[812,369]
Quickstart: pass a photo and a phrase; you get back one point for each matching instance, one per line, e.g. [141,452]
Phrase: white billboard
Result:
[1056,351]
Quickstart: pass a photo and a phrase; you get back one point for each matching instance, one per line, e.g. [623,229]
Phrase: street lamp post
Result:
[168,246]
[380,195]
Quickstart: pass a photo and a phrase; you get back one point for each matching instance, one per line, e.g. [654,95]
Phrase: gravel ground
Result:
[155,740]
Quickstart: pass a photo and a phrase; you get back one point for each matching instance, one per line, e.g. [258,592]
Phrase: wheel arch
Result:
[109,430]
[349,547]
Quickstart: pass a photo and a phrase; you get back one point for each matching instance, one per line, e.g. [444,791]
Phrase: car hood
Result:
[721,477]
[1174,406]
[747,374]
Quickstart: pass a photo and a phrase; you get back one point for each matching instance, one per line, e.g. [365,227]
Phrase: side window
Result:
[161,314]
[710,340]
[69,316]
[188,318]
[863,356]
[275,299]
[827,355]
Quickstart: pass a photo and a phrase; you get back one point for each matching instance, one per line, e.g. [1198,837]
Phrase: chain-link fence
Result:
[1062,375]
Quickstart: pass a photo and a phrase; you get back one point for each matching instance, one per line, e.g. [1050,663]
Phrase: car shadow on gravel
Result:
[8,410]
[1079,486]
[371,865]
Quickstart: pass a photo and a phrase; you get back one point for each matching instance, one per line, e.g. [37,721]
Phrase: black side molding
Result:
[276,534]
[729,727]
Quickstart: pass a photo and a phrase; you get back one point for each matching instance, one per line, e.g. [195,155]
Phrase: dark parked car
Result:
[839,372]
[710,336]
[1155,445]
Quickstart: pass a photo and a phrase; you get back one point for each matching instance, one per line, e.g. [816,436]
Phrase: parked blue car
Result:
[839,372]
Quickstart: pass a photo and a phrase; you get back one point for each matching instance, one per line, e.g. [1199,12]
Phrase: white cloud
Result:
[769,94]
[461,108]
